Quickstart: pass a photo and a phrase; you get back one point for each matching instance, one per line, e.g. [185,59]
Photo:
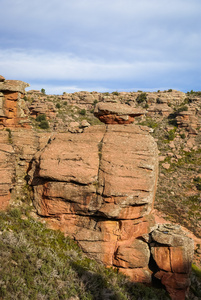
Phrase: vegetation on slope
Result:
[39,263]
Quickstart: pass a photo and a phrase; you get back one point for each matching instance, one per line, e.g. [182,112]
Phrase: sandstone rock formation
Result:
[104,199]
[188,120]
[173,252]
[96,184]
[11,105]
[7,168]
[112,113]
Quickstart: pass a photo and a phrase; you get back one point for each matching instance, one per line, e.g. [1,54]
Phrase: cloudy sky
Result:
[102,45]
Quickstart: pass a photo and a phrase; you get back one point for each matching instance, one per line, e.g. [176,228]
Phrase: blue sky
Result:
[102,45]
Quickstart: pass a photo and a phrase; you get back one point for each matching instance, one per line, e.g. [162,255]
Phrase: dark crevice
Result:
[100,147]
[154,268]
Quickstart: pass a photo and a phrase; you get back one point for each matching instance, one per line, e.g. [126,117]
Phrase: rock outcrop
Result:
[188,120]
[12,106]
[112,113]
[104,199]
[7,168]
[173,252]
[98,183]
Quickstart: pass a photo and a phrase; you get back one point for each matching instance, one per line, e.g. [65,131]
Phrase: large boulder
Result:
[99,188]
[109,172]
[173,253]
[116,113]
[12,107]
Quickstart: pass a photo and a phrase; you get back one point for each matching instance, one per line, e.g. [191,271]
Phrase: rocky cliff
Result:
[98,183]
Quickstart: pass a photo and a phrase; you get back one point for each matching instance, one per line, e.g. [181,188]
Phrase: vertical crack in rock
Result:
[100,189]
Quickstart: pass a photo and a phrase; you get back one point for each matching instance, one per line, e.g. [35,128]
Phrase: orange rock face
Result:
[115,113]
[99,188]
[11,114]
[172,251]
[7,169]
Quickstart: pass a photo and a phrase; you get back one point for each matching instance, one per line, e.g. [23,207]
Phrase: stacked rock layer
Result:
[97,187]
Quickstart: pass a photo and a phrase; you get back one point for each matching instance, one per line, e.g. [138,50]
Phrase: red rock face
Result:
[7,169]
[100,186]
[172,251]
[11,115]
[115,113]
[114,119]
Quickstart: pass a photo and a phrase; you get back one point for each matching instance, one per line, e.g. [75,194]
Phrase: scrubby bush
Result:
[150,123]
[171,134]
[41,117]
[58,105]
[182,108]
[39,263]
[43,123]
[95,102]
[82,112]
[115,93]
[43,91]
[197,181]
[141,98]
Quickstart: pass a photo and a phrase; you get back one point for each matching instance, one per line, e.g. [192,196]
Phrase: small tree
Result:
[43,91]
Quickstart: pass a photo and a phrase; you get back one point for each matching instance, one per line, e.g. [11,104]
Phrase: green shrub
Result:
[39,263]
[197,181]
[146,106]
[150,123]
[183,136]
[182,108]
[170,90]
[41,117]
[115,93]
[196,270]
[58,105]
[44,124]
[43,91]
[95,102]
[141,98]
[198,93]
[82,112]
[171,134]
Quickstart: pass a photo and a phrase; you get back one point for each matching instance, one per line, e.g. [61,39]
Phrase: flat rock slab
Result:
[13,85]
[115,113]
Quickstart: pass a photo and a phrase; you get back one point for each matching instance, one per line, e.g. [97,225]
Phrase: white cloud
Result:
[46,65]
[101,40]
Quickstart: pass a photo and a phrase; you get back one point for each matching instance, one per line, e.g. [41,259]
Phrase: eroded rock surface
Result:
[7,169]
[100,186]
[173,252]
[12,107]
[97,184]
[115,113]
